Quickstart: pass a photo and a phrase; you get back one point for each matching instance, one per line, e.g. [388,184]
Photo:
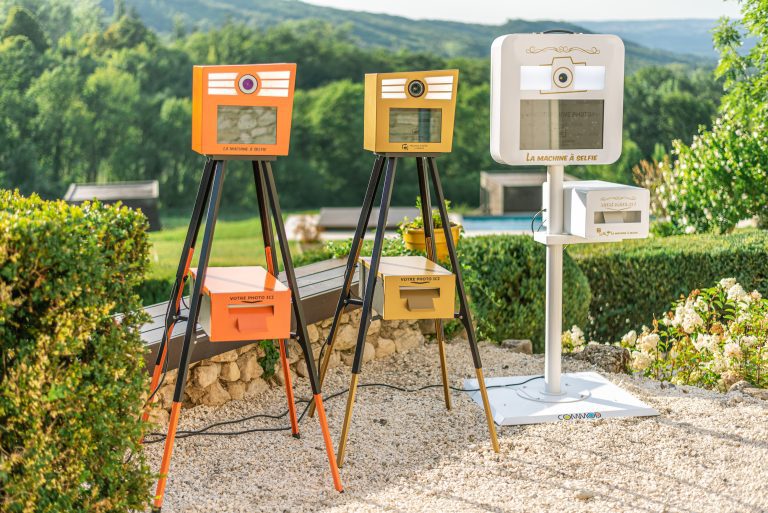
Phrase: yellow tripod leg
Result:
[347,418]
[487,407]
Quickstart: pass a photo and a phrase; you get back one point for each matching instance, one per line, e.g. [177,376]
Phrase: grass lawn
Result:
[237,241]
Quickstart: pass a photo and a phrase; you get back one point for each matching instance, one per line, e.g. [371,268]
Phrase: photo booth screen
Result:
[561,124]
[415,125]
[246,124]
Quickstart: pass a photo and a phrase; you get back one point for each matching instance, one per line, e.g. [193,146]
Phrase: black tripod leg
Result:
[273,269]
[298,312]
[349,271]
[189,335]
[365,318]
[464,313]
[173,310]
[429,245]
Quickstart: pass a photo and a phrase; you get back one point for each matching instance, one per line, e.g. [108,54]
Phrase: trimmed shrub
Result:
[505,277]
[634,281]
[72,373]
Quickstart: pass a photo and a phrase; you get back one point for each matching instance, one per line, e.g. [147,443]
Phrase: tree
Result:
[664,103]
[21,22]
[722,177]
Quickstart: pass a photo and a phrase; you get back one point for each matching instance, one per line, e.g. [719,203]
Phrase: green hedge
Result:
[72,374]
[505,277]
[635,280]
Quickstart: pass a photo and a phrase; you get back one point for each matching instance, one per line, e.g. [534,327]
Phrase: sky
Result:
[495,12]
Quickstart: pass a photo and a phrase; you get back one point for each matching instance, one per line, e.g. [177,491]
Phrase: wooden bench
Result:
[319,287]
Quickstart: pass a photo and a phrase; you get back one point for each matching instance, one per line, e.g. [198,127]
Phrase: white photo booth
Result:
[557,100]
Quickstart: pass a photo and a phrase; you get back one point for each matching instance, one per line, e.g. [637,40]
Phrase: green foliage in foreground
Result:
[505,277]
[72,374]
[633,282]
[722,177]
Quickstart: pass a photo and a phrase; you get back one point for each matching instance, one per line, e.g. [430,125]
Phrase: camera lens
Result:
[562,77]
[416,88]
[248,84]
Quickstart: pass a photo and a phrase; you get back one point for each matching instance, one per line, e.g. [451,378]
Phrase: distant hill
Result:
[692,37]
[445,38]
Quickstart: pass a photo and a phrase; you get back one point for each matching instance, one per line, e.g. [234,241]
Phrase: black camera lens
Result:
[416,88]
[563,78]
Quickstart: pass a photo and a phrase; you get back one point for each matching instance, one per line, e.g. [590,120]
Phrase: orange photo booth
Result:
[239,112]
[243,303]
[242,110]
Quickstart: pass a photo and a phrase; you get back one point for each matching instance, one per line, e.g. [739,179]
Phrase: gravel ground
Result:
[706,452]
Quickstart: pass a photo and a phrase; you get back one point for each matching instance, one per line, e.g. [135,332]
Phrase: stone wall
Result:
[237,374]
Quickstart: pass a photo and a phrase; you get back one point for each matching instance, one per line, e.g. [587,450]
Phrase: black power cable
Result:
[159,437]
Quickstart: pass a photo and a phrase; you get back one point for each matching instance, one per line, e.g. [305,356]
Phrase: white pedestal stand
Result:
[578,396]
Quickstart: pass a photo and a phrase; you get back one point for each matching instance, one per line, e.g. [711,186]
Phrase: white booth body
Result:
[603,211]
[556,99]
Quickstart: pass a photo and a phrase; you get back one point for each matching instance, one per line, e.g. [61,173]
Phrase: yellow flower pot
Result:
[414,240]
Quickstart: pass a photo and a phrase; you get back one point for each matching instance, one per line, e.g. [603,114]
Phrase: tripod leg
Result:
[429,244]
[189,335]
[464,313]
[271,257]
[349,272]
[177,291]
[365,318]
[298,312]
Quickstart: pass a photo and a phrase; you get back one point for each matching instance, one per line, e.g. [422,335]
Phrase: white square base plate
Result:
[587,396]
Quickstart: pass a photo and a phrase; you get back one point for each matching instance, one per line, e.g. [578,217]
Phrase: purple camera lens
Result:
[248,84]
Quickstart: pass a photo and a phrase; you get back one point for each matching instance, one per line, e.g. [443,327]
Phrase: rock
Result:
[205,375]
[158,416]
[606,357]
[313,333]
[216,395]
[369,352]
[230,372]
[407,339]
[256,387]
[374,328]
[170,376]
[236,390]
[194,393]
[229,356]
[518,346]
[165,395]
[346,338]
[280,378]
[585,495]
[385,347]
[427,326]
[739,386]
[348,358]
[301,369]
[249,367]
[294,351]
[757,393]
[335,360]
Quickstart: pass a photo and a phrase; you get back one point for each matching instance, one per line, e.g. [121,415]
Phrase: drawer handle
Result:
[419,298]
[250,318]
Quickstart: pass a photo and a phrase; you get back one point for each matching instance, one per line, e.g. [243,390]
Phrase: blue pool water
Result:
[515,222]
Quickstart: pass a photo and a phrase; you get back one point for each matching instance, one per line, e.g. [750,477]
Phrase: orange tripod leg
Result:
[165,465]
[289,391]
[160,363]
[328,442]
